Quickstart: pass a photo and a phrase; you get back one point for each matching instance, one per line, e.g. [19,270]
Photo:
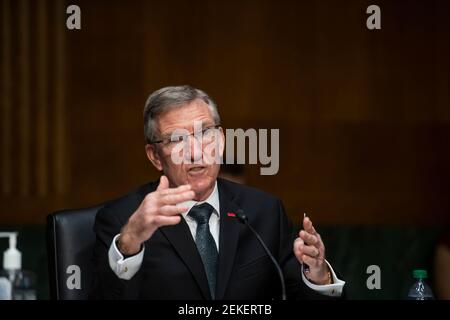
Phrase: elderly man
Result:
[177,238]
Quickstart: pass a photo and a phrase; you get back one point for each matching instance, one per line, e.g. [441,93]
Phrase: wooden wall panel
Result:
[6,100]
[364,116]
[34,171]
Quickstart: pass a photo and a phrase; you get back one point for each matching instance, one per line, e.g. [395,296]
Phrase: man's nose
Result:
[196,149]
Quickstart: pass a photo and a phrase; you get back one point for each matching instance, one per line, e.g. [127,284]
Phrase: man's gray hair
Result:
[168,98]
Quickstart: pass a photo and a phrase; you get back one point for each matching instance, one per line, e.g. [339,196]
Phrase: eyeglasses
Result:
[207,136]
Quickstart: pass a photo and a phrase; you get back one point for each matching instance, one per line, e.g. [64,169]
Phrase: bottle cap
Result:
[420,274]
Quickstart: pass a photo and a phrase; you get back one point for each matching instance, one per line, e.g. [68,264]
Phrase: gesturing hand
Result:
[310,250]
[159,208]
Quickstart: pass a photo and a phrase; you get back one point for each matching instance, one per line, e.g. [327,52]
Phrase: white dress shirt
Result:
[127,268]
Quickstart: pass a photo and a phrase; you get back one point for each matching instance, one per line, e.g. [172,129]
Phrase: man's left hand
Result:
[310,250]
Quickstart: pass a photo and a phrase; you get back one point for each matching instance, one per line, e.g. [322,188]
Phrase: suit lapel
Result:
[228,239]
[181,239]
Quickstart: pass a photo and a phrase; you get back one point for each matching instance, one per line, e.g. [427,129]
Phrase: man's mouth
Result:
[195,170]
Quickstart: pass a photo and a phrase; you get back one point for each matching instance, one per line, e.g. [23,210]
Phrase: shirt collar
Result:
[213,200]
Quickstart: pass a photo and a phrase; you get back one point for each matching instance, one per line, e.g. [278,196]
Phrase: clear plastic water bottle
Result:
[420,290]
[17,285]
[24,286]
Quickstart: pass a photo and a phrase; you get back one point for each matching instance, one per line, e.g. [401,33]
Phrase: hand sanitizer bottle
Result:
[15,284]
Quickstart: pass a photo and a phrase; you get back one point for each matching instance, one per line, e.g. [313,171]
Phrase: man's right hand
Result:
[159,208]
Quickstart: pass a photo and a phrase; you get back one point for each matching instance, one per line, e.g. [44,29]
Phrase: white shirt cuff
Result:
[332,290]
[124,268]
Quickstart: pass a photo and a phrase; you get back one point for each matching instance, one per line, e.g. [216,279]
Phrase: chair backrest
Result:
[70,243]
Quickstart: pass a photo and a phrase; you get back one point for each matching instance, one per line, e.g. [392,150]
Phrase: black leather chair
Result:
[70,243]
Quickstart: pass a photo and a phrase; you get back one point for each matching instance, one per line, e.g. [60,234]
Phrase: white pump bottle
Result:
[14,282]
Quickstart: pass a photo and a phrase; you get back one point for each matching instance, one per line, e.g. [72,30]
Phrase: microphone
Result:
[242,217]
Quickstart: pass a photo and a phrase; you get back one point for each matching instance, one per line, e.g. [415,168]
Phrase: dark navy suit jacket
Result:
[172,267]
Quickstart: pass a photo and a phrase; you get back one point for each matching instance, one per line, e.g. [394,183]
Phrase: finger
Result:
[176,198]
[179,189]
[298,246]
[163,183]
[320,244]
[308,226]
[308,238]
[166,221]
[170,210]
[311,251]
[311,262]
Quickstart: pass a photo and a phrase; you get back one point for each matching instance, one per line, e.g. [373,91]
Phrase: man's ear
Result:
[153,156]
